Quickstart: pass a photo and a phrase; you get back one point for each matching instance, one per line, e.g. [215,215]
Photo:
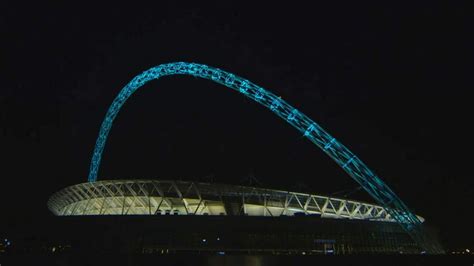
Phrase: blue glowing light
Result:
[310,129]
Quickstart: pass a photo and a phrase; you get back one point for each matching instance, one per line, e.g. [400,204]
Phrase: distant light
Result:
[218,239]
[304,253]
[467,250]
[8,243]
[221,253]
[204,240]
[6,240]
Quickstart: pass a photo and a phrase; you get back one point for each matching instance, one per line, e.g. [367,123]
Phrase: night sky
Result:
[391,82]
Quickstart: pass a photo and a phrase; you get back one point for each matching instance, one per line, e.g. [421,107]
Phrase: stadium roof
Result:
[155,197]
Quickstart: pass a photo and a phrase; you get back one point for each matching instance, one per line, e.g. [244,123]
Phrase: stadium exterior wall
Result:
[170,217]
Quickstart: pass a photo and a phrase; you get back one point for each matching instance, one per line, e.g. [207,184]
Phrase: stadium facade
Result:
[191,216]
[155,197]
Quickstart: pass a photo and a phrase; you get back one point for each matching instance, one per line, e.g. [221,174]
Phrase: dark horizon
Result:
[390,82]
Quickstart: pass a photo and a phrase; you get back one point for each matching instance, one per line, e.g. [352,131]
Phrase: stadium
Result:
[154,197]
[172,216]
[318,224]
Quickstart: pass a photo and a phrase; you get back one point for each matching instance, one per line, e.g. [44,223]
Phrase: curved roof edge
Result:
[153,197]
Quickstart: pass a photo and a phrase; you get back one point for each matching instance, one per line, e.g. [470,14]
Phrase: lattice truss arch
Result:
[151,197]
[310,129]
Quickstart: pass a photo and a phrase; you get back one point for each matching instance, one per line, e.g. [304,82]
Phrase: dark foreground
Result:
[122,259]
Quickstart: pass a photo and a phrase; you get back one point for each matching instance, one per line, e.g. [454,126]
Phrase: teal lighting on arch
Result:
[310,129]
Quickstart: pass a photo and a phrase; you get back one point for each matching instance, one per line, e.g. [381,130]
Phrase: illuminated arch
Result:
[310,129]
